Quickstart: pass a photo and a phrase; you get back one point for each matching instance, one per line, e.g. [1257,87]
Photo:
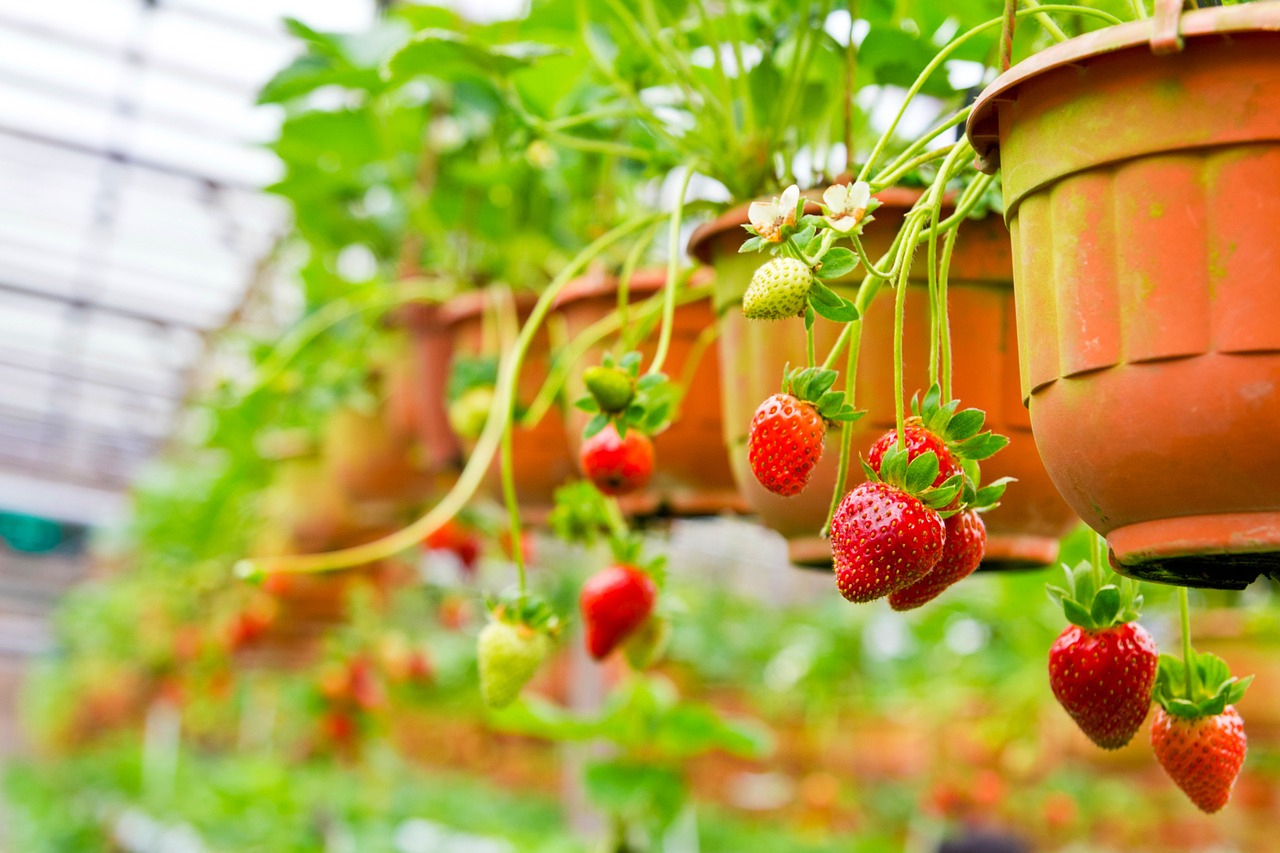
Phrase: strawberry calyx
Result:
[618,394]
[1205,692]
[628,550]
[915,477]
[960,429]
[812,386]
[528,611]
[1093,606]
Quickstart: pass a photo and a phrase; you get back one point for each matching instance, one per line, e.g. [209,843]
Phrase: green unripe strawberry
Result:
[508,657]
[646,646]
[468,413]
[612,388]
[778,290]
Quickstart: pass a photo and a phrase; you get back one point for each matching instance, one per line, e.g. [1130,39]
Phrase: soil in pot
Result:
[692,475]
[1025,529]
[1143,194]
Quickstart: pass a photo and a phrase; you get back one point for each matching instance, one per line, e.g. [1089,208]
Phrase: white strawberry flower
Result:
[768,218]
[846,204]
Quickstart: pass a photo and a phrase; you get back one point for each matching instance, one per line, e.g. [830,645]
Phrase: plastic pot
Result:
[1025,529]
[1141,176]
[692,475]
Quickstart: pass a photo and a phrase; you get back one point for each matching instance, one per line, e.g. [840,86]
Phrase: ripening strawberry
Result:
[615,602]
[617,465]
[508,655]
[779,289]
[883,539]
[1202,755]
[1198,736]
[965,545]
[785,443]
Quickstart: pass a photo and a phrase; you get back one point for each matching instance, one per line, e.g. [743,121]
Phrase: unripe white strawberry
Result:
[778,290]
[509,655]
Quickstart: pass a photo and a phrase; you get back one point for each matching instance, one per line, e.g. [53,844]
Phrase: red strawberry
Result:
[918,440]
[883,539]
[615,602]
[785,443]
[617,465]
[1102,666]
[1198,736]
[1103,679]
[966,542]
[454,537]
[1202,755]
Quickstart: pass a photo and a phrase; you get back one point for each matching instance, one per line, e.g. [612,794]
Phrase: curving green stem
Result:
[486,446]
[945,53]
[913,226]
[642,313]
[894,170]
[513,507]
[846,428]
[673,267]
[891,176]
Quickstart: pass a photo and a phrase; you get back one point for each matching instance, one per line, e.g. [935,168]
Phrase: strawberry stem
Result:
[1096,547]
[905,256]
[1184,611]
[513,508]
[673,267]
[846,428]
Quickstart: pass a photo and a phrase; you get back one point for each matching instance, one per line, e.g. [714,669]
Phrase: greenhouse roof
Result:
[131,222]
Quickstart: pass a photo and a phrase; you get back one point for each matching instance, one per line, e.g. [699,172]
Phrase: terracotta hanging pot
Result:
[419,382]
[692,474]
[1025,529]
[1143,194]
[372,459]
[542,459]
[303,505]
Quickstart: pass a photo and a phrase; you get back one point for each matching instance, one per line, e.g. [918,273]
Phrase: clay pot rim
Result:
[644,282]
[733,219]
[467,305]
[982,127]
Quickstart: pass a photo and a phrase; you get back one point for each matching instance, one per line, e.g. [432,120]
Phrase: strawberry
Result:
[779,289]
[954,437]
[1102,666]
[785,443]
[617,465]
[612,387]
[887,533]
[508,655]
[918,439]
[966,542]
[457,539]
[785,440]
[1198,736]
[615,602]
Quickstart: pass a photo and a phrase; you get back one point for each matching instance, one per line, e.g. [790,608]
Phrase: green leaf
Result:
[587,404]
[847,414]
[815,242]
[599,422]
[1106,606]
[650,381]
[982,446]
[830,304]
[965,424]
[830,403]
[448,55]
[1076,614]
[805,234]
[921,472]
[820,382]
[837,263]
[939,417]
[808,317]
[751,244]
[630,362]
